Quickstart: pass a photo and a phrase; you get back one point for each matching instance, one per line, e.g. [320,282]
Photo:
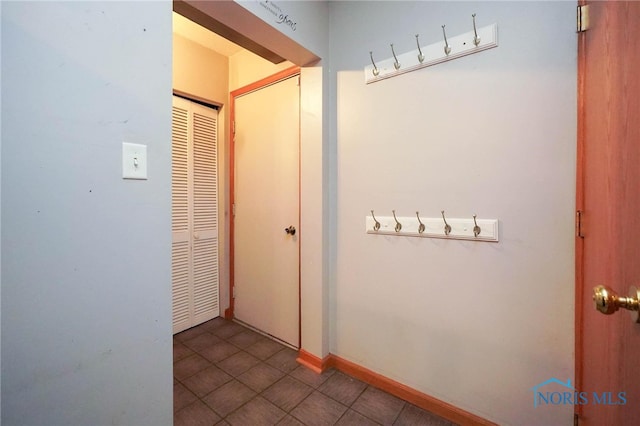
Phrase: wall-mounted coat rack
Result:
[449,48]
[470,228]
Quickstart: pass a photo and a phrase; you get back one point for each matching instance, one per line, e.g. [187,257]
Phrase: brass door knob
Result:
[608,301]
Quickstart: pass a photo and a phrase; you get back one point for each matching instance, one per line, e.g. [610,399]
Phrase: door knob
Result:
[290,230]
[608,301]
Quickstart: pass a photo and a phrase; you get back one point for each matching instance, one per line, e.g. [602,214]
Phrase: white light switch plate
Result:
[134,161]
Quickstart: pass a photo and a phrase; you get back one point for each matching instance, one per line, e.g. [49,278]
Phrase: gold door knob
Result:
[608,301]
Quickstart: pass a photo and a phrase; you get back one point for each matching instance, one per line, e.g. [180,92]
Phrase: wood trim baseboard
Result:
[388,385]
[312,362]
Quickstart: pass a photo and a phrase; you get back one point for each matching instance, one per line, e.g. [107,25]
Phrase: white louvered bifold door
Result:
[194,214]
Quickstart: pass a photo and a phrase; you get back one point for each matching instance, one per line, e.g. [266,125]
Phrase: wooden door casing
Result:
[271,232]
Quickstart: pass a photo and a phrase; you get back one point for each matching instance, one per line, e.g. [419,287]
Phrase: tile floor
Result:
[226,374]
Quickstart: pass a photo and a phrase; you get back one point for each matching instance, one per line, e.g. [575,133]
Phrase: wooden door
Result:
[607,346]
[194,214]
[266,257]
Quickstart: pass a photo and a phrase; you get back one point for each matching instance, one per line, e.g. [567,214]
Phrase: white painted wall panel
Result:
[476,325]
[86,292]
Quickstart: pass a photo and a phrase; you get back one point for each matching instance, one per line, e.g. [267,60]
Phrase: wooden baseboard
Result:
[312,362]
[404,392]
[228,313]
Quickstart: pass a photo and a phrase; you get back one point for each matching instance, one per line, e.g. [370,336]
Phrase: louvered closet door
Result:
[194,214]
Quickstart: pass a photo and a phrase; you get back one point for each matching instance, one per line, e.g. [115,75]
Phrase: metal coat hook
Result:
[447,227]
[447,48]
[421,226]
[375,71]
[398,224]
[396,64]
[420,55]
[476,39]
[476,228]
[376,225]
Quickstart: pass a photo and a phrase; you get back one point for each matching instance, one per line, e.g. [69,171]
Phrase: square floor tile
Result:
[238,363]
[219,351]
[245,339]
[287,393]
[284,360]
[318,409]
[201,341]
[180,351]
[311,377]
[289,420]
[342,388]
[260,377]
[353,418]
[189,366]
[256,412]
[207,380]
[182,397]
[264,348]
[196,414]
[228,329]
[412,415]
[211,325]
[229,397]
[378,406]
[190,333]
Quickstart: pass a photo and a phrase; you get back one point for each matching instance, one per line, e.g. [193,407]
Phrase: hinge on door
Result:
[579,224]
[576,418]
[234,292]
[233,209]
[583,18]
[233,127]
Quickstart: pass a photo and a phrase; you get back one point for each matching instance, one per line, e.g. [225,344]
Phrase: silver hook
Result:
[375,71]
[447,48]
[396,64]
[421,227]
[476,39]
[447,227]
[398,224]
[476,228]
[376,225]
[420,55]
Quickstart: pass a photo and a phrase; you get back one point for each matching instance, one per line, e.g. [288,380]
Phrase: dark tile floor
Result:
[226,374]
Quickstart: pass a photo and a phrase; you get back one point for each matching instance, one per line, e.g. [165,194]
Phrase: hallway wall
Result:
[86,291]
[476,325]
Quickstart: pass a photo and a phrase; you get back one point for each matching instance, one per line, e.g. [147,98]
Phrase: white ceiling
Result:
[194,32]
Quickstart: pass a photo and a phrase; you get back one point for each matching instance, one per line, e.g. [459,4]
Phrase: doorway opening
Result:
[243,68]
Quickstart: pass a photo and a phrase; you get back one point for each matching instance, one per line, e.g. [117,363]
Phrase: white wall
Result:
[303,21]
[474,324]
[86,293]
[246,68]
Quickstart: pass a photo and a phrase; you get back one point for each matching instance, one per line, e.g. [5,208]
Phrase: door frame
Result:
[260,84]
[579,239]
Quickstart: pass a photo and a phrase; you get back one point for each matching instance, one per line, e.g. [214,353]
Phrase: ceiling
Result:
[198,34]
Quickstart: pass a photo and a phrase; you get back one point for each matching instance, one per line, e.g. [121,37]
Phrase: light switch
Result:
[134,161]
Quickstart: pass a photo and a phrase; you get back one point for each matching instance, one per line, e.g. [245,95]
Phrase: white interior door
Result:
[266,257]
[194,214]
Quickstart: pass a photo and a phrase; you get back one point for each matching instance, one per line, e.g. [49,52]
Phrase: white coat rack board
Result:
[449,48]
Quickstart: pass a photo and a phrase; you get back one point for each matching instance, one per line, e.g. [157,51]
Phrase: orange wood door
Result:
[608,187]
